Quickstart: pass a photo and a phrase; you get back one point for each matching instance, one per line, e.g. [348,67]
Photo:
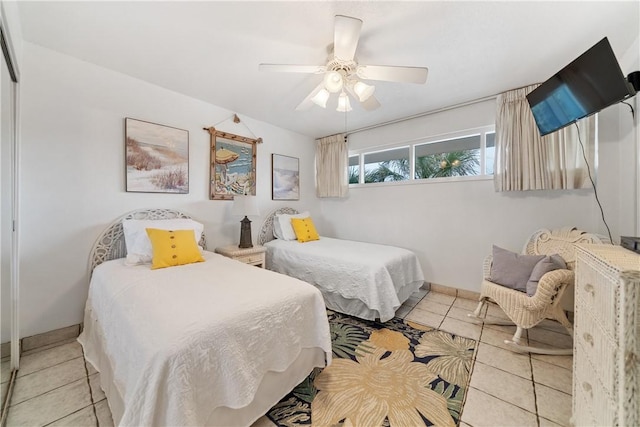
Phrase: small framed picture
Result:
[157,158]
[285,177]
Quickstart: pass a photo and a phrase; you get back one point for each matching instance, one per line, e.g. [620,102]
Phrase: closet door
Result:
[7,133]
[9,336]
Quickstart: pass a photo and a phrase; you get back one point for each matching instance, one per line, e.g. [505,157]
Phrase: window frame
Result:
[482,176]
[363,171]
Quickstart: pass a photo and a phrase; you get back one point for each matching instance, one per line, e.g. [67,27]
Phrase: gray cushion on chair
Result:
[511,269]
[545,265]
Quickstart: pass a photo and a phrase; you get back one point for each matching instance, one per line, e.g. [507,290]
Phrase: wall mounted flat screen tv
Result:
[591,82]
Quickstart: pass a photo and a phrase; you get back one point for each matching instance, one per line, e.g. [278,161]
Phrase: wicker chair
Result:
[525,311]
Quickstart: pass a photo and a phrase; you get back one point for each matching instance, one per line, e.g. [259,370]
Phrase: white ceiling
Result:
[211,50]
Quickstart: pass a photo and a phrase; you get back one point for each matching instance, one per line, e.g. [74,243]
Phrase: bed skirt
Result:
[355,307]
[273,386]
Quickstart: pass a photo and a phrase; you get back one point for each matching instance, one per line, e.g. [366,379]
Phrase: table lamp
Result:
[247,206]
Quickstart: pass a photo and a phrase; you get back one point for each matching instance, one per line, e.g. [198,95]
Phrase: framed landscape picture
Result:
[157,158]
[285,178]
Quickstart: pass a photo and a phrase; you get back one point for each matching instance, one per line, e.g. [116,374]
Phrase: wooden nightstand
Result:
[252,256]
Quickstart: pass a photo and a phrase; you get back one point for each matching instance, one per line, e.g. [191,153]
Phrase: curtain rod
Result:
[415,116]
[439,110]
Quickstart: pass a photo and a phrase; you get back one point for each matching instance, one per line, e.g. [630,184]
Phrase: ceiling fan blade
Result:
[307,102]
[345,37]
[291,68]
[393,74]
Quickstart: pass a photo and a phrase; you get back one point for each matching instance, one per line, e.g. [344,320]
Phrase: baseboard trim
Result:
[5,349]
[48,338]
[449,290]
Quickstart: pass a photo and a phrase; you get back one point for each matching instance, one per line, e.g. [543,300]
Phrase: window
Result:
[354,169]
[462,155]
[387,165]
[451,157]
[490,153]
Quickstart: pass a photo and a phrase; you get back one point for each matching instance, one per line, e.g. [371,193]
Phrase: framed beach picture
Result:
[233,165]
[285,178]
[157,158]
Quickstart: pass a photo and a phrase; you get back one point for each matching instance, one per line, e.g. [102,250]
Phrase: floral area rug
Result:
[397,373]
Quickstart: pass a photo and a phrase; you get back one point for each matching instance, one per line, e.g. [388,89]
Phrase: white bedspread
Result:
[374,274]
[184,340]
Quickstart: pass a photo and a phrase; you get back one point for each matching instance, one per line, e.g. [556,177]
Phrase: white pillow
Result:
[139,249]
[282,228]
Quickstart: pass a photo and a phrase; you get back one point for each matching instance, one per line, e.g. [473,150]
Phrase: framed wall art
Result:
[285,177]
[157,158]
[232,165]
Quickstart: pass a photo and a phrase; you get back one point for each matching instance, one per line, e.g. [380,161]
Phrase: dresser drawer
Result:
[596,347]
[607,326]
[593,406]
[582,411]
[598,296]
[251,259]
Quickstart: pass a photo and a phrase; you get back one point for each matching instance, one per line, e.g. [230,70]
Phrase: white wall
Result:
[73,174]
[452,225]
[630,134]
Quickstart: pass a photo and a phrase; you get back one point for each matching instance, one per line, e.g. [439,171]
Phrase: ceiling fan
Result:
[343,74]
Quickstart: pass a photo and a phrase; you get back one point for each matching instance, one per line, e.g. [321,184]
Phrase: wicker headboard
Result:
[266,231]
[110,244]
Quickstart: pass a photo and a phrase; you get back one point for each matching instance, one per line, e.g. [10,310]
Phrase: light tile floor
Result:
[57,387]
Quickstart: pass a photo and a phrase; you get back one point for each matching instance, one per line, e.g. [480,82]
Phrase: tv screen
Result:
[590,83]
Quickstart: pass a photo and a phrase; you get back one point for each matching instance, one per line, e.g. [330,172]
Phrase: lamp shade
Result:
[333,81]
[343,103]
[363,90]
[245,206]
[320,98]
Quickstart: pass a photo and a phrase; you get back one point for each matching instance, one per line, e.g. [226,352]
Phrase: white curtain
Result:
[332,158]
[526,161]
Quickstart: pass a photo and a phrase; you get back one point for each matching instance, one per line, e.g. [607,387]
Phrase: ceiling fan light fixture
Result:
[344,104]
[363,90]
[320,98]
[342,72]
[333,81]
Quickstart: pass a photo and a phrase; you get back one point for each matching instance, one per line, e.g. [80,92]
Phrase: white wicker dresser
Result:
[606,359]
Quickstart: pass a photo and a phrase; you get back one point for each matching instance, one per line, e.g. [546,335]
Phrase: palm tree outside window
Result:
[460,156]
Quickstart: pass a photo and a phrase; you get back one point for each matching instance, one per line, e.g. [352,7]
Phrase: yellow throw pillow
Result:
[304,229]
[173,247]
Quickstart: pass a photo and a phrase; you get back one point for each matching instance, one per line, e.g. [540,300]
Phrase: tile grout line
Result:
[49,366]
[473,367]
[93,403]
[489,394]
[445,316]
[533,381]
[46,392]
[6,404]
[62,418]
[504,401]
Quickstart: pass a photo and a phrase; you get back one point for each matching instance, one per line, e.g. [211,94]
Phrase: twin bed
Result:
[365,280]
[219,342]
[207,343]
